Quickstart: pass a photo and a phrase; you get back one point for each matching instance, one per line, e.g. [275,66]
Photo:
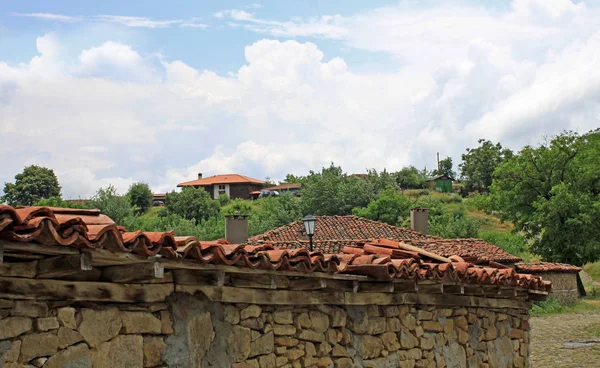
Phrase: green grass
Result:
[552,307]
[593,270]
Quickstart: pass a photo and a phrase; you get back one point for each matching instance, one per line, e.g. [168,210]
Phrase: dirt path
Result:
[551,332]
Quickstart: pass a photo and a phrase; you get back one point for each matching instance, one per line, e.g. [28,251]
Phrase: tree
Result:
[112,204]
[140,197]
[551,192]
[380,180]
[389,206]
[192,203]
[33,184]
[445,168]
[477,168]
[410,178]
[332,192]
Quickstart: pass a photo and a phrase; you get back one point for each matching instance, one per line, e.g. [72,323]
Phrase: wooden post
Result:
[1,253]
[62,266]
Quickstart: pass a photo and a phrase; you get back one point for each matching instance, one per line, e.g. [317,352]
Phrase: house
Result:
[234,185]
[293,189]
[158,199]
[566,283]
[334,233]
[79,291]
[442,183]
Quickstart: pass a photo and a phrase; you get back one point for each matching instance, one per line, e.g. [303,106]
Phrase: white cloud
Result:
[129,21]
[49,16]
[457,74]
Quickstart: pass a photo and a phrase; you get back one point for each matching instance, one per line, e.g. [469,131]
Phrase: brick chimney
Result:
[419,220]
[199,175]
[236,228]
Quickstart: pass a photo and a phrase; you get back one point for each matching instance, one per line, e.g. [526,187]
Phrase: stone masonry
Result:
[191,331]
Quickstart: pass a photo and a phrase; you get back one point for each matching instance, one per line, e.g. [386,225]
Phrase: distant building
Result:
[280,189]
[233,185]
[442,183]
[158,199]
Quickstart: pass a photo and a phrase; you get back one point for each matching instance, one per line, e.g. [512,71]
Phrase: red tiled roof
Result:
[540,267]
[285,187]
[382,260]
[340,228]
[159,194]
[476,250]
[221,179]
[332,233]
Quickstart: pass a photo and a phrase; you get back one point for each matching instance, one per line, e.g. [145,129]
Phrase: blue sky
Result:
[114,92]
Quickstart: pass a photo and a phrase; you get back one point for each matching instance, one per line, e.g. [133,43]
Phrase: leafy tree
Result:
[112,204]
[479,163]
[140,197]
[445,168]
[33,184]
[192,203]
[410,178]
[293,179]
[59,202]
[389,207]
[332,192]
[454,224]
[380,180]
[551,192]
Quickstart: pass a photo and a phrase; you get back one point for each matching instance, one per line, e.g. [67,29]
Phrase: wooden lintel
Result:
[260,281]
[536,295]
[195,277]
[376,287]
[133,273]
[37,248]
[20,288]
[289,297]
[431,288]
[474,290]
[307,284]
[454,289]
[19,269]
[61,266]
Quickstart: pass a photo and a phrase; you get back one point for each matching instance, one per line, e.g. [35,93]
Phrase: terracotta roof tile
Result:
[221,179]
[333,233]
[382,260]
[540,267]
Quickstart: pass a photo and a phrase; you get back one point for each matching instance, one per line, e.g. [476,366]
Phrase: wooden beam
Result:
[1,253]
[260,281]
[51,250]
[18,288]
[134,273]
[19,269]
[376,287]
[307,284]
[537,295]
[193,277]
[454,289]
[431,288]
[423,252]
[263,296]
[57,267]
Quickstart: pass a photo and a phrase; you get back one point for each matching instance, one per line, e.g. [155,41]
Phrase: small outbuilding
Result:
[442,183]
[566,283]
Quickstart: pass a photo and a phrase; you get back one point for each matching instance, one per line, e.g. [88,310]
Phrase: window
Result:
[222,189]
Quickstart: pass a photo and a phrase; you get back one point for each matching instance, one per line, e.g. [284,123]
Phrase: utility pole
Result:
[438,161]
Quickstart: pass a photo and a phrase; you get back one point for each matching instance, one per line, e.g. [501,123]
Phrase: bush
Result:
[140,197]
[454,224]
[192,204]
[59,202]
[593,270]
[112,204]
[389,207]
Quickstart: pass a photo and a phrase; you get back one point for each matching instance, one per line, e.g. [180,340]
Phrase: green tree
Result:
[380,180]
[477,168]
[410,178]
[332,192]
[389,206]
[192,203]
[551,192]
[112,204]
[140,197]
[33,184]
[445,168]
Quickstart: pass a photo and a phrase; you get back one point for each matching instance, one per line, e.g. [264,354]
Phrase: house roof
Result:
[285,187]
[541,267]
[159,195]
[333,233]
[340,229]
[381,260]
[221,179]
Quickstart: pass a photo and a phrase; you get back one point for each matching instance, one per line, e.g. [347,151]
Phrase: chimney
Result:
[199,175]
[236,228]
[419,219]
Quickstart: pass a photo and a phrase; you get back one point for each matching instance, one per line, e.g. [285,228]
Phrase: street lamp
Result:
[310,222]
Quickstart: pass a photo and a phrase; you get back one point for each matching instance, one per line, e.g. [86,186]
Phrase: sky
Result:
[116,92]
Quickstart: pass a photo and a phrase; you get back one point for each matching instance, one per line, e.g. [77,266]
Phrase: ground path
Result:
[551,332]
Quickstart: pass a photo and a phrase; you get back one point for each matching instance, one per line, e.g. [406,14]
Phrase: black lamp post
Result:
[310,222]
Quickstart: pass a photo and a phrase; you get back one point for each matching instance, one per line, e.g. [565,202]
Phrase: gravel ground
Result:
[549,333]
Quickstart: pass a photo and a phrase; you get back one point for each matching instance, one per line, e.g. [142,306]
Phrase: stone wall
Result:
[564,286]
[191,331]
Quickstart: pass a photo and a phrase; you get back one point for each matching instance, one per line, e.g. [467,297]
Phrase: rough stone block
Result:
[68,337]
[153,348]
[251,311]
[14,326]
[231,314]
[10,351]
[284,330]
[343,363]
[46,324]
[267,361]
[38,345]
[122,351]
[29,309]
[247,364]
[408,340]
[432,326]
[368,347]
[294,354]
[390,341]
[262,345]
[393,325]
[253,323]
[66,317]
[310,335]
[98,326]
[140,323]
[286,341]
[303,321]
[200,334]
[283,317]
[319,321]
